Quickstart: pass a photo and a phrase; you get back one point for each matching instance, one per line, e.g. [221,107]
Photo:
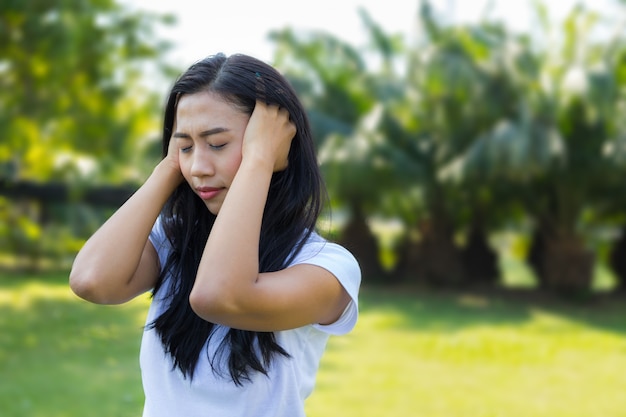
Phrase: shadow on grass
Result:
[427,309]
[61,356]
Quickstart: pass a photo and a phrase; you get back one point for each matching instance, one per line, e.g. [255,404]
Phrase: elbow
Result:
[211,307]
[85,285]
[81,285]
[203,305]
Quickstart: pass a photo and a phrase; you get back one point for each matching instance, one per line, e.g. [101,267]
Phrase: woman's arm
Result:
[229,288]
[118,262]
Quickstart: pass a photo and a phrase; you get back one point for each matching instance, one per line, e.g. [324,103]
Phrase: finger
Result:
[260,88]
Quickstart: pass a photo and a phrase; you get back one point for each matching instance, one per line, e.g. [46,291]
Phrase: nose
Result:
[202,164]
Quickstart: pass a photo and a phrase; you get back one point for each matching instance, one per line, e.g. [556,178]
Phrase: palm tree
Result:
[342,95]
[416,121]
[552,148]
[456,89]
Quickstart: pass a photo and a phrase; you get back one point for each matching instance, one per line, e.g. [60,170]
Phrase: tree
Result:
[72,109]
[472,128]
[72,103]
[456,88]
[342,94]
[403,126]
[553,148]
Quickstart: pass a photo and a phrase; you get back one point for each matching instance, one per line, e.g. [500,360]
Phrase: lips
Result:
[207,193]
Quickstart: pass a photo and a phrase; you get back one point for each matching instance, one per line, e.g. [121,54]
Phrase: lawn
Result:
[414,352]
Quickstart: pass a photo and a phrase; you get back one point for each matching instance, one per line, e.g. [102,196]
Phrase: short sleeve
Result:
[343,265]
[159,241]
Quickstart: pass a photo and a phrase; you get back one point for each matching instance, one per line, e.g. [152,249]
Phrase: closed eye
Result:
[217,147]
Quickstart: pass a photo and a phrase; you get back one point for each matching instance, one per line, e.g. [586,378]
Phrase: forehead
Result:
[208,109]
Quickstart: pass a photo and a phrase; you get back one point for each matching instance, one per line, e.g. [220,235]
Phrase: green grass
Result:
[440,354]
[60,356]
[414,352]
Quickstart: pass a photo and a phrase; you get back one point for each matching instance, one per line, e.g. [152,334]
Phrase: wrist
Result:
[167,174]
[256,162]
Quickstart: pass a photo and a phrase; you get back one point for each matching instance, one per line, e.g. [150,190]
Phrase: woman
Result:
[245,293]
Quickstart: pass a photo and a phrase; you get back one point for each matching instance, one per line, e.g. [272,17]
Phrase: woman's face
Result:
[209,135]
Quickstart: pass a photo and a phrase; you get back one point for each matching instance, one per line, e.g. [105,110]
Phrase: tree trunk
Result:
[479,259]
[358,239]
[434,259]
[617,260]
[443,262]
[536,256]
[409,265]
[562,263]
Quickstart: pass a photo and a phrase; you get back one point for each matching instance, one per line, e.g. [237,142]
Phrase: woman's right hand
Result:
[171,161]
[268,135]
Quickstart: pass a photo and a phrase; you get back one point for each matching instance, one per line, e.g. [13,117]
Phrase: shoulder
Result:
[329,255]
[343,265]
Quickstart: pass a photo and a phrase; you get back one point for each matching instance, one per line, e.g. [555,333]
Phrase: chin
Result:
[213,208]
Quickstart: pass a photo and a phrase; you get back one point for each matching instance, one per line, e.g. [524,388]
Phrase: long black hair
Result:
[294,202]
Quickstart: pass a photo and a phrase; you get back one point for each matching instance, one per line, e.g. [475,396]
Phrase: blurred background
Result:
[459,138]
[469,147]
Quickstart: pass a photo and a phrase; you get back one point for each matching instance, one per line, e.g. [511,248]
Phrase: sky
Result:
[206,27]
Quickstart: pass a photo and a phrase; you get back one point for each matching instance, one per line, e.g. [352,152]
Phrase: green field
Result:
[414,352]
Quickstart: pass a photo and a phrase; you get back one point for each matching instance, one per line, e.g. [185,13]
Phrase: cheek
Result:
[230,162]
[232,166]
[185,168]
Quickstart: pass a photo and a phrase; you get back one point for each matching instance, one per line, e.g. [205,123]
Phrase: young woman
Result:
[245,293]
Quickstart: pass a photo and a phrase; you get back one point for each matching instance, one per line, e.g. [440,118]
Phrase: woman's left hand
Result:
[268,136]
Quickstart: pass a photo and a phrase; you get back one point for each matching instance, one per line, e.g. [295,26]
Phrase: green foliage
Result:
[74,109]
[473,126]
[344,96]
[72,105]
[563,120]
[328,75]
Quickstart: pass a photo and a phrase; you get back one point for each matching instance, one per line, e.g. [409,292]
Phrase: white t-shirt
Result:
[289,381]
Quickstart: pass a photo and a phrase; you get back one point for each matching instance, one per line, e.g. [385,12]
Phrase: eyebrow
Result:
[202,134]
